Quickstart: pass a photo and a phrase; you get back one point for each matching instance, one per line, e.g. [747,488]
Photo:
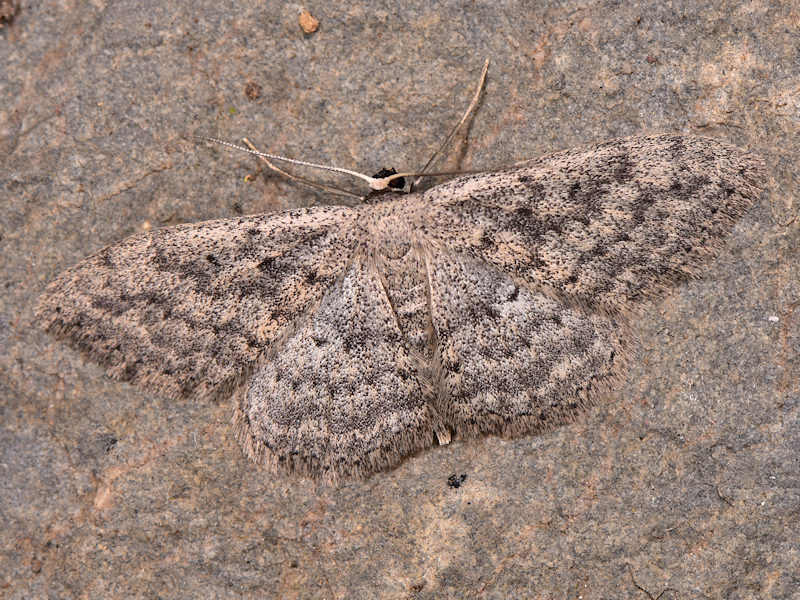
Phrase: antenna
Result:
[375,183]
[303,180]
[449,138]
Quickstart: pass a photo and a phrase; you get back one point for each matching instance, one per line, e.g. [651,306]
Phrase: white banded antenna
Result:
[389,180]
[375,183]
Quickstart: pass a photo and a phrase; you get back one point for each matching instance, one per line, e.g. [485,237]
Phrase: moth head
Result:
[384,184]
[385,178]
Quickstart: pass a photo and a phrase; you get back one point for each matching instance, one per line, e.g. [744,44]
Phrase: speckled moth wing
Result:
[610,225]
[344,396]
[511,361]
[187,310]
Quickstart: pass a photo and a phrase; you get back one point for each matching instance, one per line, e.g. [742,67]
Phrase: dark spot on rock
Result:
[271,536]
[107,441]
[252,90]
[455,481]
[8,9]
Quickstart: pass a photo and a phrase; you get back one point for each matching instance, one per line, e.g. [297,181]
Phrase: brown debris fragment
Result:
[8,9]
[308,23]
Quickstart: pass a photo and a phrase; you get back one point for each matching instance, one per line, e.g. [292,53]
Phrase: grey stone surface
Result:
[685,484]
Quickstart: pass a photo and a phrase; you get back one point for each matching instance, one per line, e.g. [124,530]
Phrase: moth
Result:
[348,337]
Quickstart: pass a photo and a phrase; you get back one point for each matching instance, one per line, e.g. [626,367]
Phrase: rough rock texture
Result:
[685,484]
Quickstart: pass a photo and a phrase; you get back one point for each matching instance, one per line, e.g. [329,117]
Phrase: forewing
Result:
[511,361]
[187,310]
[344,395]
[612,224]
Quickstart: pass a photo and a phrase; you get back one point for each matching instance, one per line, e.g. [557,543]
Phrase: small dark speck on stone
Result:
[455,481]
[107,441]
[271,536]
[252,91]
[8,9]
